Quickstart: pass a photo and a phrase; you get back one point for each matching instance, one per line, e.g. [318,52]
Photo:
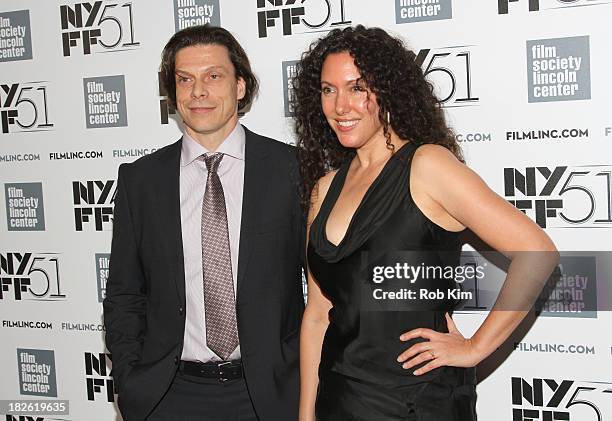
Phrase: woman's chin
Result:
[348,141]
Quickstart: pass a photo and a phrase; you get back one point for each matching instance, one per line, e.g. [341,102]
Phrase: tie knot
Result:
[212,161]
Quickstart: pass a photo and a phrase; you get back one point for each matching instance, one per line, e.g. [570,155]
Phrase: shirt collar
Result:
[233,145]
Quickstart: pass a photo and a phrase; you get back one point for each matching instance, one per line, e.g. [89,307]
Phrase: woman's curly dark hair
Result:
[390,71]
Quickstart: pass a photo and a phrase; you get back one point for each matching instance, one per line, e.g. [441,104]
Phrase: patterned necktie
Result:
[219,300]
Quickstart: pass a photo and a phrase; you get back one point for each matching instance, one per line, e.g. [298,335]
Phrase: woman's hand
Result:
[442,349]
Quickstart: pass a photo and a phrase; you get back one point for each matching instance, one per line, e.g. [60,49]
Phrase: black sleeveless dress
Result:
[359,376]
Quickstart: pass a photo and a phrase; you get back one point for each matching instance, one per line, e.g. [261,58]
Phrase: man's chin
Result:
[201,129]
[196,127]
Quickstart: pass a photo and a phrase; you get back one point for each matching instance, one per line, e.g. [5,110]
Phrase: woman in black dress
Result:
[383,173]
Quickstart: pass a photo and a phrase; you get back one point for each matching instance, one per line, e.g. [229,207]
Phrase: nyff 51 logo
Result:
[30,276]
[562,197]
[560,400]
[93,204]
[449,69]
[99,26]
[99,376]
[23,107]
[299,16]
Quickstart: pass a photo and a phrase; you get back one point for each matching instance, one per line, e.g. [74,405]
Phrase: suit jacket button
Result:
[181,310]
[176,360]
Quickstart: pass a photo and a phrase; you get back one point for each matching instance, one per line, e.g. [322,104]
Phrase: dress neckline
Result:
[336,190]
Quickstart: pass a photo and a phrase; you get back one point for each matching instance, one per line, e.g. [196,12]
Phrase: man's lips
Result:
[201,109]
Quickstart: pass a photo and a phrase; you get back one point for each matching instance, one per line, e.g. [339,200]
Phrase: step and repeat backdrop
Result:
[525,84]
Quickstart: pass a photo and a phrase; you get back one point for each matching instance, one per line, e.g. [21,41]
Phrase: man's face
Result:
[207,91]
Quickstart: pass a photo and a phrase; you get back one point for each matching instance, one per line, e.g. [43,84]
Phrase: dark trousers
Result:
[195,398]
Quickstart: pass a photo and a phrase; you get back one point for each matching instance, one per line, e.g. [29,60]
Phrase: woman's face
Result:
[349,107]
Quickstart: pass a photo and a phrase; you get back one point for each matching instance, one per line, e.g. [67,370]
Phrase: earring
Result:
[388,118]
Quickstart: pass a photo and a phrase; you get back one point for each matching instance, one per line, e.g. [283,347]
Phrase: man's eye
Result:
[215,76]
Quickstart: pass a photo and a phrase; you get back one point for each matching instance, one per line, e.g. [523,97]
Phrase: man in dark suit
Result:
[204,298]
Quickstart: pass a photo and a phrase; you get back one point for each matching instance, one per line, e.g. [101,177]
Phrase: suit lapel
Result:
[253,200]
[168,206]
[167,188]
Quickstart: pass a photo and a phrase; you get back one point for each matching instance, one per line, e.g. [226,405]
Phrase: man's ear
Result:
[241,91]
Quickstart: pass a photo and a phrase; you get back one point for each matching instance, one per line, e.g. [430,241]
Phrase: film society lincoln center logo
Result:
[558,69]
[102,269]
[408,11]
[195,12]
[289,71]
[15,36]
[25,209]
[105,104]
[36,372]
[504,6]
[571,291]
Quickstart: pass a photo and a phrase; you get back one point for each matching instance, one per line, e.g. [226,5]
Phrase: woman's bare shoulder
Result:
[319,192]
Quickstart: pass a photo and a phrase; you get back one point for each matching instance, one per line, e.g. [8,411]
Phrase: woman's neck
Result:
[375,151]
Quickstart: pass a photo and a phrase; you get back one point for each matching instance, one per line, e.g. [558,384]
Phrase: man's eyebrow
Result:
[208,69]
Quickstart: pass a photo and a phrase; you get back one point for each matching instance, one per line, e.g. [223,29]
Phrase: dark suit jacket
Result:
[144,309]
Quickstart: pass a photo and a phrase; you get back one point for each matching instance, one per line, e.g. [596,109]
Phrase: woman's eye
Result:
[326,90]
